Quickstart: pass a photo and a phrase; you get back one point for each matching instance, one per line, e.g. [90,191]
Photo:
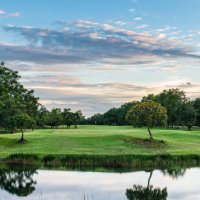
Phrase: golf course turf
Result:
[102,140]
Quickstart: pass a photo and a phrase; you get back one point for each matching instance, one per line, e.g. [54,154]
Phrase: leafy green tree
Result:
[170,99]
[30,102]
[67,117]
[54,118]
[187,114]
[14,98]
[196,104]
[96,119]
[77,116]
[110,117]
[122,112]
[149,97]
[41,117]
[149,114]
[114,116]
[22,122]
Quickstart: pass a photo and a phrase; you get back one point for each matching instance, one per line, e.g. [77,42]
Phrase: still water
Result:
[64,185]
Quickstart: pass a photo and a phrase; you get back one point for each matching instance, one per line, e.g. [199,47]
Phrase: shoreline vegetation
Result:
[92,162]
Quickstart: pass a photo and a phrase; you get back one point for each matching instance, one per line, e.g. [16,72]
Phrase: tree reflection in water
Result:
[146,193]
[17,182]
[174,173]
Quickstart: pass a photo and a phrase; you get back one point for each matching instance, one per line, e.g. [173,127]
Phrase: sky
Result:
[97,54]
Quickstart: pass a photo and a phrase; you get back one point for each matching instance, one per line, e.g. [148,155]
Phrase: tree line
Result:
[180,110]
[20,109]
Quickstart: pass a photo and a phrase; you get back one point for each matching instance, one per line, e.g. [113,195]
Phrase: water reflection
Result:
[62,185]
[17,181]
[174,173]
[148,193]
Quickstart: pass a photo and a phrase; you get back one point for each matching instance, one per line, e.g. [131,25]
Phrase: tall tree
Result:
[14,98]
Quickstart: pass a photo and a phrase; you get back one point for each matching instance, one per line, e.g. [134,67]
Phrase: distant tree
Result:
[149,97]
[187,114]
[114,116]
[67,117]
[22,122]
[77,116]
[110,117]
[196,104]
[149,114]
[41,117]
[96,119]
[122,112]
[170,99]
[54,118]
[30,102]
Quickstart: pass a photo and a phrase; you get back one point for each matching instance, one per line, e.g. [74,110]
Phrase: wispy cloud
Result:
[86,42]
[137,19]
[3,13]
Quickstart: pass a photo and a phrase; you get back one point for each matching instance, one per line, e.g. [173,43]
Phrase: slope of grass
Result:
[100,140]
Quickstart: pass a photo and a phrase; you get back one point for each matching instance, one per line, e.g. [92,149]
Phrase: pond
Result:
[35,184]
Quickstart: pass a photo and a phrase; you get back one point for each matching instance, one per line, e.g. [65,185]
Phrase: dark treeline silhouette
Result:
[114,116]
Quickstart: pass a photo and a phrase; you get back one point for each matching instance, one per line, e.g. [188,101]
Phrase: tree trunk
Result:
[150,134]
[22,137]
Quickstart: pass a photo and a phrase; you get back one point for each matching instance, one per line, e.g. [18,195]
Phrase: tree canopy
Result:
[15,100]
[149,114]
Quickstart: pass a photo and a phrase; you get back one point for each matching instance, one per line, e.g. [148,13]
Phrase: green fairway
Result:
[100,140]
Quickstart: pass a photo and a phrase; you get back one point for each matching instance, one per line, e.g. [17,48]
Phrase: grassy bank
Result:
[105,161]
[101,143]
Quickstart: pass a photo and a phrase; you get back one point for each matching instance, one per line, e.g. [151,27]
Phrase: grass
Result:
[100,140]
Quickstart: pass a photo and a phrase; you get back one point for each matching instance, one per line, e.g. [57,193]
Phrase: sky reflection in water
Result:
[62,185]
